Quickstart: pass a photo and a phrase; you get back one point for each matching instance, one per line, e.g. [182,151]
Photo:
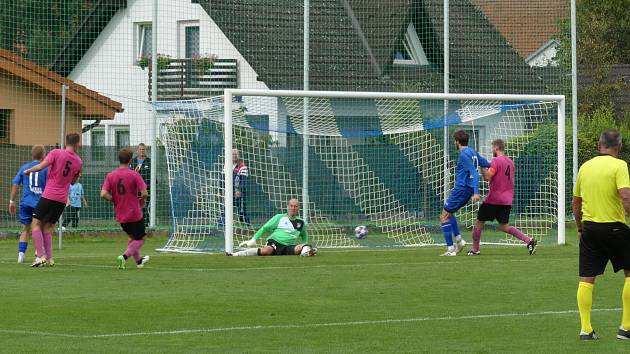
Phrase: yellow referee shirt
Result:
[598,183]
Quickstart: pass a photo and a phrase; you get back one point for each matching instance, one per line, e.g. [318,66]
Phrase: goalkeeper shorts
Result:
[280,249]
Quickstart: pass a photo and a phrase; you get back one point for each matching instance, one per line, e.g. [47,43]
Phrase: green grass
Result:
[365,300]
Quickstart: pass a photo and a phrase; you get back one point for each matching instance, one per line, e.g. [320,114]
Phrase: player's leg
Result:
[592,262]
[23,242]
[122,259]
[305,250]
[460,244]
[48,229]
[139,235]
[616,243]
[476,237]
[458,198]
[77,212]
[267,250]
[38,241]
[624,329]
[447,230]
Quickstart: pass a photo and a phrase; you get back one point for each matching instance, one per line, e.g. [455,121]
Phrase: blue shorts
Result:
[26,214]
[458,198]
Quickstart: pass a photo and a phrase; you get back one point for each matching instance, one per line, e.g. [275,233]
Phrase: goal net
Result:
[384,160]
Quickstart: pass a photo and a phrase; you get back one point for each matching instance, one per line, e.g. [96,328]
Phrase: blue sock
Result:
[448,236]
[22,246]
[454,226]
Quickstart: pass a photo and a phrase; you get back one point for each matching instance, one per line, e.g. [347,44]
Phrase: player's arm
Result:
[577,212]
[85,203]
[105,194]
[265,229]
[42,165]
[623,186]
[269,226]
[12,199]
[483,162]
[144,194]
[487,173]
[576,203]
[469,165]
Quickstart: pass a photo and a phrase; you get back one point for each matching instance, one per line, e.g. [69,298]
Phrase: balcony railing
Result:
[181,79]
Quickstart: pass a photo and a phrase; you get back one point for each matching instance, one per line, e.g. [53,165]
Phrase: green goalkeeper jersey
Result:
[284,230]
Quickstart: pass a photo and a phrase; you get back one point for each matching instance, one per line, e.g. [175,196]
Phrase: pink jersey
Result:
[63,167]
[502,182]
[125,185]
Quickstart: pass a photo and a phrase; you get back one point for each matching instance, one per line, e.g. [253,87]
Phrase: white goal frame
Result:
[230,93]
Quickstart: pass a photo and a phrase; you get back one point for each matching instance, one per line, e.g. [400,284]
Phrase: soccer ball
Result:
[360,232]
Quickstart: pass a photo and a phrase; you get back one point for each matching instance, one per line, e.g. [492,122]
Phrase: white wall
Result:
[109,65]
[545,56]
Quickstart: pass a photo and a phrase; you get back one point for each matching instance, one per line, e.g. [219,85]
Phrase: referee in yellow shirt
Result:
[601,198]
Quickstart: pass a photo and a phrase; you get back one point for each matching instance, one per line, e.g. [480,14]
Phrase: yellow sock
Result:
[625,297]
[585,302]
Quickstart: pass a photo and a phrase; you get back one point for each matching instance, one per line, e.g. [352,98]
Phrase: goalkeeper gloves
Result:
[249,243]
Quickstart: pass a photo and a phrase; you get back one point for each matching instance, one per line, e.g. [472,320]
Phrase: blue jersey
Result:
[466,173]
[75,195]
[32,185]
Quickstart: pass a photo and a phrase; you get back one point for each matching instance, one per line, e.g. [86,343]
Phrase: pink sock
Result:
[129,251]
[139,244]
[518,234]
[48,245]
[38,240]
[476,236]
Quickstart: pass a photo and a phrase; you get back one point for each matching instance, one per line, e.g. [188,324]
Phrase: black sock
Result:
[125,256]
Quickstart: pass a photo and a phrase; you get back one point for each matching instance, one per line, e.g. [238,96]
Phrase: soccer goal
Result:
[383,160]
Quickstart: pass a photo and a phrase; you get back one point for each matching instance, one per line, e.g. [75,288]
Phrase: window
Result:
[191,41]
[98,144]
[5,120]
[143,40]
[122,138]
[410,50]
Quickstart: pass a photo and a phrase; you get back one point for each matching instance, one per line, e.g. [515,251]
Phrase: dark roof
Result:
[86,34]
[352,42]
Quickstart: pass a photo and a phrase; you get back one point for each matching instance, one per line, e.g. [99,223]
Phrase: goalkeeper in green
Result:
[284,231]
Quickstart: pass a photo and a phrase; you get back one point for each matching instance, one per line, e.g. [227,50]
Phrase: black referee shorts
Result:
[603,242]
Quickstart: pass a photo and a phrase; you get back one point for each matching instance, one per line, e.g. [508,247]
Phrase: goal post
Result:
[375,159]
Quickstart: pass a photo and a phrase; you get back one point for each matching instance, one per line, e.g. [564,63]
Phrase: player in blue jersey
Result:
[466,188]
[32,188]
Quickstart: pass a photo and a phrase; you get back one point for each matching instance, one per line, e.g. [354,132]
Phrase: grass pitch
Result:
[367,300]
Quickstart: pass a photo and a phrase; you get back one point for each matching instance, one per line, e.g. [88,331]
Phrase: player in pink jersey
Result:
[498,203]
[126,189]
[64,167]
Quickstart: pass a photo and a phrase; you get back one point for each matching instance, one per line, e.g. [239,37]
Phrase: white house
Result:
[110,65]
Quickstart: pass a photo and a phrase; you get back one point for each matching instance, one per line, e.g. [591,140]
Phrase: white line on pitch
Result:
[298,326]
[61,264]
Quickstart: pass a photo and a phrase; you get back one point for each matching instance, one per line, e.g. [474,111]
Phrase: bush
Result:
[590,127]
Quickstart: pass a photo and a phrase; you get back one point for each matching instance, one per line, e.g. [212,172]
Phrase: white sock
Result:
[458,238]
[450,248]
[247,252]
